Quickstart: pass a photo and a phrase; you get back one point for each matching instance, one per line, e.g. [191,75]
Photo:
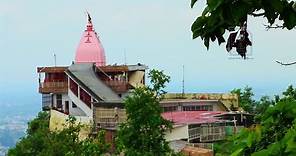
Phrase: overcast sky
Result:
[154,32]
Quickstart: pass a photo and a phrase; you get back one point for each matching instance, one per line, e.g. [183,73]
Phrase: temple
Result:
[73,89]
[93,92]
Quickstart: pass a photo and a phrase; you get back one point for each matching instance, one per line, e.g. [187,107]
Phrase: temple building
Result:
[74,89]
[93,92]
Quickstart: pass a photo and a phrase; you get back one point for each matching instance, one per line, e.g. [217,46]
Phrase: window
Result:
[170,109]
[67,107]
[85,97]
[46,101]
[74,105]
[73,87]
[59,101]
[198,108]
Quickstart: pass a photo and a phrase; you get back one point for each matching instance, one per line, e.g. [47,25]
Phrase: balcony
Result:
[108,118]
[53,87]
[108,123]
[118,86]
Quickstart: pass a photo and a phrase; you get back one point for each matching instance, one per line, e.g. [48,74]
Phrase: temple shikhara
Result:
[93,91]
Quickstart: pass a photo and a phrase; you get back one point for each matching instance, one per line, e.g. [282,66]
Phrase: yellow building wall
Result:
[58,121]
[177,133]
[136,78]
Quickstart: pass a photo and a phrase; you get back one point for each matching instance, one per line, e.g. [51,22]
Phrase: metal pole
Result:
[55,59]
[183,84]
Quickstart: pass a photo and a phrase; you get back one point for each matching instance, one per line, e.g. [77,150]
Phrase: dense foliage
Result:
[144,131]
[249,104]
[221,15]
[39,141]
[275,134]
[245,98]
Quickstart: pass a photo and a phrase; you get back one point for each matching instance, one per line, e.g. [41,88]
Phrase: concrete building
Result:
[73,90]
[199,102]
[93,92]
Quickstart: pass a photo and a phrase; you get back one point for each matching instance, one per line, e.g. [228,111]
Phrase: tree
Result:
[221,15]
[246,101]
[34,141]
[245,98]
[143,132]
[262,105]
[95,145]
[290,92]
[274,135]
[40,141]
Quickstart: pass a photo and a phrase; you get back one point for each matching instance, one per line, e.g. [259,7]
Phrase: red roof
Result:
[192,117]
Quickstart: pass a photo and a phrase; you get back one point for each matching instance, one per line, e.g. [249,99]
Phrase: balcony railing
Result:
[207,134]
[117,85]
[53,87]
[111,124]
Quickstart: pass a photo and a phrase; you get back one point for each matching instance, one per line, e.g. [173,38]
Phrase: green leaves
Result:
[95,145]
[289,17]
[192,3]
[158,80]
[196,27]
[274,135]
[246,100]
[208,26]
[277,5]
[264,152]
[40,141]
[237,152]
[250,139]
[214,4]
[221,15]
[207,42]
[144,131]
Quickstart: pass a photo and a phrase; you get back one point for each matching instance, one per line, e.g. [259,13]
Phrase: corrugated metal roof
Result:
[84,73]
[193,117]
[123,68]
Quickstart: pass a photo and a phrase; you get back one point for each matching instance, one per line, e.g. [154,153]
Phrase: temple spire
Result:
[90,48]
[89,26]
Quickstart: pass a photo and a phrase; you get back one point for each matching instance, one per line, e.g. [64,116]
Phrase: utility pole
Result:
[55,59]
[183,84]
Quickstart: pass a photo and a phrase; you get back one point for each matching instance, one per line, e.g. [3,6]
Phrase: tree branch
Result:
[273,27]
[286,64]
[257,15]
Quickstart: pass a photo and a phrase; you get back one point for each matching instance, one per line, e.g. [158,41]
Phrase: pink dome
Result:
[90,49]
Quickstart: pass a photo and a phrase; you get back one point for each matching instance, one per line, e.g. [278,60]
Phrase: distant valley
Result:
[15,113]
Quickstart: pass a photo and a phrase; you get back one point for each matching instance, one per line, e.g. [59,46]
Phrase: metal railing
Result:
[117,85]
[207,134]
[194,133]
[212,133]
[203,145]
[108,123]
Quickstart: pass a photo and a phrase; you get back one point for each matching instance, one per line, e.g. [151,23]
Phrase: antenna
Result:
[55,59]
[183,85]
